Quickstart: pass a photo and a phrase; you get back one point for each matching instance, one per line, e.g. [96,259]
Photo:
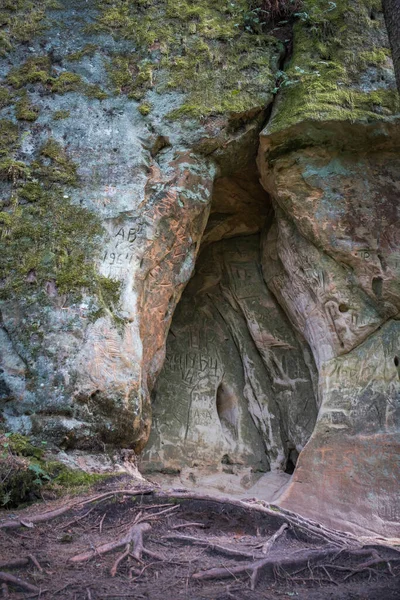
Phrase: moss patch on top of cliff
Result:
[340,68]
[206,49]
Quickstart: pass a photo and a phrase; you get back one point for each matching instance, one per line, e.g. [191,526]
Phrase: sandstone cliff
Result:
[128,138]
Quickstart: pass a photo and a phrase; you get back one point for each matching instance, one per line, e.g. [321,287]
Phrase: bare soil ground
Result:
[141,543]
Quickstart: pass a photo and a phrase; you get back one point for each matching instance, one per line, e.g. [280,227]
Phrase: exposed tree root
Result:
[322,557]
[16,581]
[311,530]
[309,560]
[48,516]
[186,539]
[134,537]
[21,562]
[268,565]
[266,547]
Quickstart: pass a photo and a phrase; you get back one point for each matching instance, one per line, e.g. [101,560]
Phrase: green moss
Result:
[9,137]
[334,46]
[25,474]
[61,169]
[32,191]
[94,91]
[48,235]
[145,109]
[34,70]
[59,115]
[6,97]
[204,49]
[39,70]
[13,170]
[87,50]
[25,111]
[22,21]
[66,82]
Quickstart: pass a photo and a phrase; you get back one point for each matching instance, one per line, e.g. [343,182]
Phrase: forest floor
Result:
[142,543]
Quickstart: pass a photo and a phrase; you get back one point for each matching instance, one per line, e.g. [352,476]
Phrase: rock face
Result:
[107,174]
[128,139]
[237,384]
[331,260]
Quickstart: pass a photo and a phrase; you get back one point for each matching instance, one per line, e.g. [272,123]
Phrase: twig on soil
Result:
[182,525]
[154,516]
[35,562]
[76,520]
[187,539]
[101,522]
[141,572]
[8,578]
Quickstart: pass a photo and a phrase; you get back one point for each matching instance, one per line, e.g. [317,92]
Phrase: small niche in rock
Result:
[377,286]
[227,409]
[291,461]
[235,381]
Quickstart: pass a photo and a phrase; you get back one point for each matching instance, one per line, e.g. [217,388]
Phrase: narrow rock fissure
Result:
[235,401]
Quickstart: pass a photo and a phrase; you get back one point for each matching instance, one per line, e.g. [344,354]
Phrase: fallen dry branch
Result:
[21,562]
[187,539]
[16,581]
[48,516]
[14,564]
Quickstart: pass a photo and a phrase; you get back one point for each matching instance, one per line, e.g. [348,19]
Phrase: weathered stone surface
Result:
[237,384]
[120,165]
[354,450]
[331,260]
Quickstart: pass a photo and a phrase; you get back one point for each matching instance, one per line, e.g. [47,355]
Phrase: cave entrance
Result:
[235,399]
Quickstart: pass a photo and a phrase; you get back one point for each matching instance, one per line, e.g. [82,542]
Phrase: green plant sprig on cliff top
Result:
[203,49]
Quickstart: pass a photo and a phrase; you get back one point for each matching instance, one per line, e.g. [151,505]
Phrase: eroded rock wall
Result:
[237,384]
[110,143]
[331,260]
